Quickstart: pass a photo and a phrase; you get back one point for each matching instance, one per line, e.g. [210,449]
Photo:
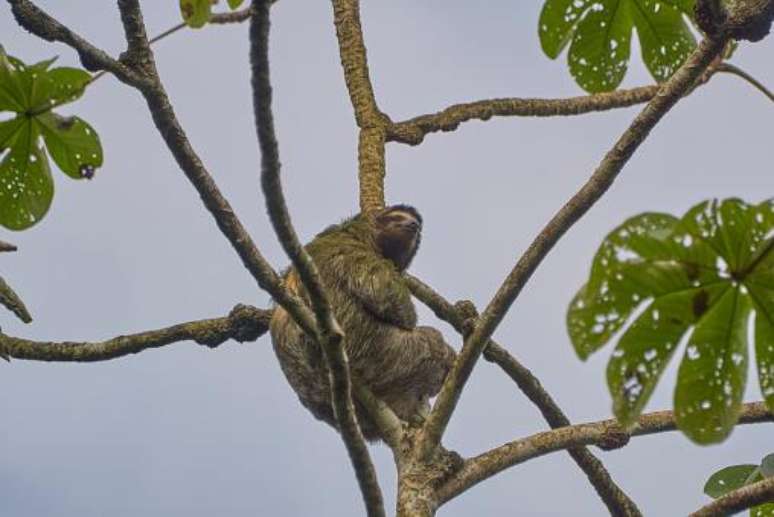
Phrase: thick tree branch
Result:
[371,168]
[413,131]
[611,494]
[371,121]
[353,59]
[330,335]
[606,433]
[7,246]
[244,323]
[576,207]
[739,499]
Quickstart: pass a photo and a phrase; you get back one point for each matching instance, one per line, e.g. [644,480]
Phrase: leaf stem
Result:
[735,70]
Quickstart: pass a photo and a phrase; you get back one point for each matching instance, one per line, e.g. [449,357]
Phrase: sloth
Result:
[361,263]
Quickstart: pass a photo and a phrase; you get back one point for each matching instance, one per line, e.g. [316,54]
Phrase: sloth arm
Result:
[375,283]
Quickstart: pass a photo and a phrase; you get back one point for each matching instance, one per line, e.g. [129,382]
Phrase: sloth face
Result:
[398,230]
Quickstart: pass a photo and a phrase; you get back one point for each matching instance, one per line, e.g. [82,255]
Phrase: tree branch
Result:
[371,168]
[353,59]
[330,335]
[244,323]
[231,17]
[7,246]
[611,494]
[413,131]
[606,433]
[600,181]
[371,121]
[33,19]
[740,499]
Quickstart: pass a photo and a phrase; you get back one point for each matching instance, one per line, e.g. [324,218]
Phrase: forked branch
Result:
[330,335]
[371,121]
[611,494]
[599,182]
[606,433]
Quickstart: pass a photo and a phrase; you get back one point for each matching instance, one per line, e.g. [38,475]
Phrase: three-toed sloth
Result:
[361,263]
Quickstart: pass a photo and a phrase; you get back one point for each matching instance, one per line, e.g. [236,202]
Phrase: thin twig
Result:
[602,433]
[330,336]
[215,19]
[244,323]
[739,500]
[735,70]
[617,501]
[599,182]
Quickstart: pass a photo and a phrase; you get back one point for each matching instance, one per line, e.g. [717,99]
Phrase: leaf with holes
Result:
[26,186]
[599,34]
[31,92]
[657,280]
[72,143]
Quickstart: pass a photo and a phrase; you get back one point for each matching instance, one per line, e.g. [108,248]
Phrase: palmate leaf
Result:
[30,92]
[698,278]
[601,30]
[26,186]
[732,478]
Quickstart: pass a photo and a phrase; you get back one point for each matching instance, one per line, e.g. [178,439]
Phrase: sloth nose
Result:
[412,225]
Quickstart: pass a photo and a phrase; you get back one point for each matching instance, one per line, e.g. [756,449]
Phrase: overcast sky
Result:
[189,431]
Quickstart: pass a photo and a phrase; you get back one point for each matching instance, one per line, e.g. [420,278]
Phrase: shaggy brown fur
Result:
[361,265]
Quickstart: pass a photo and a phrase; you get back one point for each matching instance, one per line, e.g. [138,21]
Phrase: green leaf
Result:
[764,345]
[12,93]
[645,349]
[732,478]
[665,40]
[600,31]
[72,143]
[233,4]
[8,131]
[763,510]
[68,83]
[26,186]
[704,274]
[599,53]
[767,466]
[196,13]
[713,372]
[729,479]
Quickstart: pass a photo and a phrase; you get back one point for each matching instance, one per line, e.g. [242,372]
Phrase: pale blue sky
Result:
[189,431]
